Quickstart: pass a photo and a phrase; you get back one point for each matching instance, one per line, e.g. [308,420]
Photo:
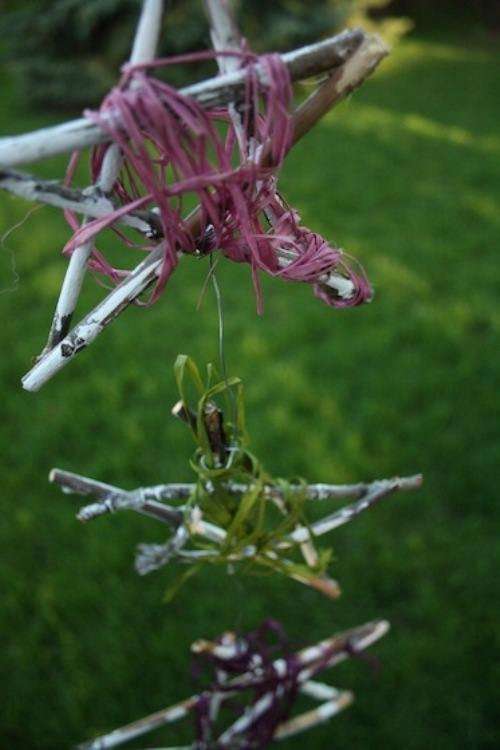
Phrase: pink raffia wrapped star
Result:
[173,148]
[221,141]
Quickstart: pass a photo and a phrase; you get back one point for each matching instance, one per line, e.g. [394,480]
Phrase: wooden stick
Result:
[340,647]
[245,720]
[110,308]
[138,728]
[377,491]
[148,32]
[97,206]
[112,499]
[143,50]
[75,483]
[95,322]
[77,266]
[302,63]
[226,36]
[340,83]
[315,716]
[88,203]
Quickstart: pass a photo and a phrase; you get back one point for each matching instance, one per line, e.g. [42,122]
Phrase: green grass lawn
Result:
[406,175]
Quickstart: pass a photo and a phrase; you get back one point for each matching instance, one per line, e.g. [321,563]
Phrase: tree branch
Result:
[302,63]
[143,50]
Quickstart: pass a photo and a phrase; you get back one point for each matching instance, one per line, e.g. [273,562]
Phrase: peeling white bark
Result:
[78,134]
[144,50]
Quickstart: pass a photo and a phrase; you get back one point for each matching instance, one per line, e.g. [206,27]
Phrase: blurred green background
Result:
[406,175]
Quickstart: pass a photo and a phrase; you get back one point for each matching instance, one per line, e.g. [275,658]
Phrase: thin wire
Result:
[13,265]
[221,345]
[213,266]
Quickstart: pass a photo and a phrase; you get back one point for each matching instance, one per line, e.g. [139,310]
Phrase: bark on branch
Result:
[143,50]
[302,63]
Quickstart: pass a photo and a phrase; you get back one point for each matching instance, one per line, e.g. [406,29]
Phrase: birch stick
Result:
[77,265]
[78,484]
[95,322]
[341,646]
[315,716]
[319,691]
[377,491]
[85,202]
[340,83]
[97,206]
[112,499]
[81,485]
[143,726]
[302,63]
[225,35]
[247,718]
[154,556]
[143,50]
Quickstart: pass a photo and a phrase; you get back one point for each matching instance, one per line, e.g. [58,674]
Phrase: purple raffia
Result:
[256,656]
[172,147]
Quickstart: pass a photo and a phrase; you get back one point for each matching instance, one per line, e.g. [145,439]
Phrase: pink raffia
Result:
[172,149]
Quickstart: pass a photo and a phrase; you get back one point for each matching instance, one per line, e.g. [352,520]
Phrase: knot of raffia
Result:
[259,672]
[270,684]
[175,150]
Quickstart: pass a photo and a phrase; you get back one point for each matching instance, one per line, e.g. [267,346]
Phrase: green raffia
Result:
[251,518]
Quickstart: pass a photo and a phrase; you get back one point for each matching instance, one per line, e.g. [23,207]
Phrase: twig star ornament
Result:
[235,514]
[222,141]
[256,682]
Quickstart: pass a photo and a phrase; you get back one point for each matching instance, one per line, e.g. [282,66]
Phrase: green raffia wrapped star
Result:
[235,514]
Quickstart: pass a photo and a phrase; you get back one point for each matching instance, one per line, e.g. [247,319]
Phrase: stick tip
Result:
[327,586]
[382,627]
[30,383]
[383,46]
[411,483]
